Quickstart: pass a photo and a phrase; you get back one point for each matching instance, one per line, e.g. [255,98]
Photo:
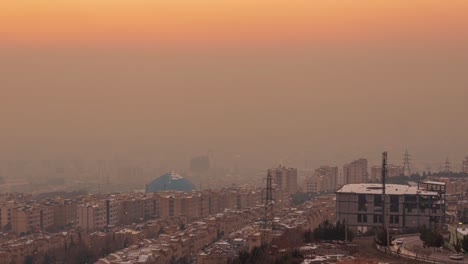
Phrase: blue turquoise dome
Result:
[170,181]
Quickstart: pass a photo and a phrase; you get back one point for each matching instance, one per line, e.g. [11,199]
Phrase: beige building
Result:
[131,210]
[324,179]
[465,165]
[355,172]
[284,179]
[93,216]
[195,205]
[31,218]
[361,206]
[5,214]
[392,171]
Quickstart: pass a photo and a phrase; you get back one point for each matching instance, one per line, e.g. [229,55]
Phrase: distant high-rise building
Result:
[355,172]
[392,171]
[200,164]
[284,178]
[465,165]
[447,166]
[324,179]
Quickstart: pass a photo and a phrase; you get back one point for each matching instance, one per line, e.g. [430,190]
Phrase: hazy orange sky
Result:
[323,80]
[208,22]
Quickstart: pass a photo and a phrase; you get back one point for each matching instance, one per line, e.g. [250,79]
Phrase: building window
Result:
[362,218]
[394,219]
[362,202]
[378,201]
[377,219]
[394,206]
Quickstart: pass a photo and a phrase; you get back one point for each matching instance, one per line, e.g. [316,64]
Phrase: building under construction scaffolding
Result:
[409,207]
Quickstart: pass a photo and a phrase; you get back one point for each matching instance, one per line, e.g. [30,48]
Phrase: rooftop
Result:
[433,182]
[374,188]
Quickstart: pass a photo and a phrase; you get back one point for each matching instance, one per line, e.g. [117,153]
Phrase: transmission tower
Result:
[406,164]
[267,225]
[447,166]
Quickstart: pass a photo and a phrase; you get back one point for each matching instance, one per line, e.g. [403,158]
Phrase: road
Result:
[367,249]
[412,245]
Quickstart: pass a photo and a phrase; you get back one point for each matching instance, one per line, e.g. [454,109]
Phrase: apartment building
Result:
[5,214]
[31,218]
[392,171]
[465,165]
[93,216]
[285,180]
[355,172]
[131,210]
[323,179]
[195,205]
[407,207]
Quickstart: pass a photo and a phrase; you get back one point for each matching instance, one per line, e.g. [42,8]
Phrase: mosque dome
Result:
[170,181]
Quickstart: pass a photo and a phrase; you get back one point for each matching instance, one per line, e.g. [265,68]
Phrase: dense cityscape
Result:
[172,220]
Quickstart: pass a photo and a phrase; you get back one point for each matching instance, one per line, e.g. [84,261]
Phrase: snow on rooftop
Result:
[175,176]
[463,231]
[434,182]
[374,188]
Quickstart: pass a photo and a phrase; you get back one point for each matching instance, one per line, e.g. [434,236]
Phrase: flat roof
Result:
[463,230]
[434,182]
[374,188]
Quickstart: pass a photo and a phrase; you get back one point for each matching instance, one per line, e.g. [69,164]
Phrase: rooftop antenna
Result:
[406,164]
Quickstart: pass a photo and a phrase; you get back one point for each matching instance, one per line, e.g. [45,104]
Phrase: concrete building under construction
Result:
[408,207]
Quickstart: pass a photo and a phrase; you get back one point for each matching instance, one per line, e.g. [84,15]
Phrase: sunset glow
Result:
[207,22]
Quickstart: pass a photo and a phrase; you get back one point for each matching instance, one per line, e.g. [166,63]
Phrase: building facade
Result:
[93,216]
[284,179]
[392,171]
[465,165]
[407,207]
[355,172]
[324,179]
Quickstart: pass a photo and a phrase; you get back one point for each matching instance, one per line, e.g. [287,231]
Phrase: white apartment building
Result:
[323,179]
[355,172]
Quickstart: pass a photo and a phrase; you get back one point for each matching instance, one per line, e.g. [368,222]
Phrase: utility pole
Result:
[385,214]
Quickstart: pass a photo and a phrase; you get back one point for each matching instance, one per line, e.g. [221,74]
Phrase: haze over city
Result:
[270,81]
[247,131]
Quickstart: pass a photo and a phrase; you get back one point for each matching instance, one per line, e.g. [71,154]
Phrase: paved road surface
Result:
[367,249]
[409,243]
